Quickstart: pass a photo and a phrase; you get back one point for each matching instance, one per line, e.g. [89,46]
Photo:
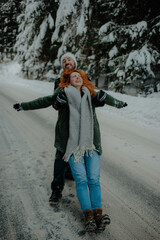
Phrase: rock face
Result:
[116,43]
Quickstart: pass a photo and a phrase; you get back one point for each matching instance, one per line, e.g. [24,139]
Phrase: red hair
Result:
[65,80]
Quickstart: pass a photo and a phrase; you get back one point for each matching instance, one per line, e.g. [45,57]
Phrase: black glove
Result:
[17,107]
[125,104]
[60,102]
[99,100]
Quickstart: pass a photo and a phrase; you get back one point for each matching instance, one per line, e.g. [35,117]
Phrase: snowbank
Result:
[142,111]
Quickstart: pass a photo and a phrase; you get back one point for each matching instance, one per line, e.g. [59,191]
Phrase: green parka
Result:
[62,125]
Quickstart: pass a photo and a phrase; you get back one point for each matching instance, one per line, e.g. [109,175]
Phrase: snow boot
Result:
[101,219]
[90,224]
[55,196]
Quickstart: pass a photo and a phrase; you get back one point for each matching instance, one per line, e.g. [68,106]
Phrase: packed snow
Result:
[144,111]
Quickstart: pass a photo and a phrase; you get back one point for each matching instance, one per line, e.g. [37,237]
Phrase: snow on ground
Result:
[142,111]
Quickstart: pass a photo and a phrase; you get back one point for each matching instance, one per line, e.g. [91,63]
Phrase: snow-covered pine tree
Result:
[115,41]
[45,33]
[8,28]
[128,53]
[71,28]
[33,45]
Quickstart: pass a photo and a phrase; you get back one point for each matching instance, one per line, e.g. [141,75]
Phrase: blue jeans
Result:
[86,174]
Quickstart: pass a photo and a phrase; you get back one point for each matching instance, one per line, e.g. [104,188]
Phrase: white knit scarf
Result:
[80,139]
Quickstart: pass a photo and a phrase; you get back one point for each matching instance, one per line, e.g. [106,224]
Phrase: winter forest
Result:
[117,42]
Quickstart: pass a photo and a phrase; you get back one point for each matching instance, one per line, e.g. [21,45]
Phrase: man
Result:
[61,168]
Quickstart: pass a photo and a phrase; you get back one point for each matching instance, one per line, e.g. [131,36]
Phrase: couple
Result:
[78,138]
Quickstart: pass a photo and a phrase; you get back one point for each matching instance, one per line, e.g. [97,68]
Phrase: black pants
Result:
[60,169]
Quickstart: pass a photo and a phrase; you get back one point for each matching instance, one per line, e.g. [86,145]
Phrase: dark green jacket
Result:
[62,125]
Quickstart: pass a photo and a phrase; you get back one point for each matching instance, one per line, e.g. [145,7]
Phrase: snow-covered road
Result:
[130,176]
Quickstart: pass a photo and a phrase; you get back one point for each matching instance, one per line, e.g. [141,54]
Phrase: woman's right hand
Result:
[17,107]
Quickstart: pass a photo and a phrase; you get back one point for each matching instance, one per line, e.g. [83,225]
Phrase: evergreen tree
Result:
[71,28]
[116,41]
[33,45]
[8,27]
[127,47]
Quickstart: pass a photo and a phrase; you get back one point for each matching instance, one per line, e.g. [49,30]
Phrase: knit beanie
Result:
[68,54]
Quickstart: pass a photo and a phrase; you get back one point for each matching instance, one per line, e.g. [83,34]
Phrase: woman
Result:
[78,137]
[82,150]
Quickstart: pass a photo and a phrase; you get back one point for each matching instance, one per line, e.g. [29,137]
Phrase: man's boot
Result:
[55,196]
[101,219]
[90,224]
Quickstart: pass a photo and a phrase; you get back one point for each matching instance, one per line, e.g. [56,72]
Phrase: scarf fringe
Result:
[78,153]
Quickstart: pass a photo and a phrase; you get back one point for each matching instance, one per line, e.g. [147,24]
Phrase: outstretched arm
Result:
[109,100]
[38,103]
[103,98]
